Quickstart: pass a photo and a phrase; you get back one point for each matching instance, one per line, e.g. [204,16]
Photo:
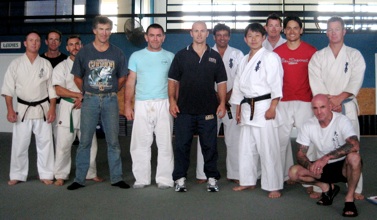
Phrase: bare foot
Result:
[200,181]
[315,195]
[274,194]
[98,179]
[358,196]
[13,182]
[47,182]
[59,182]
[240,188]
[234,181]
[290,182]
[312,194]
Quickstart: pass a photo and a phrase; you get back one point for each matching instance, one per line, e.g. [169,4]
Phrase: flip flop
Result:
[327,197]
[350,207]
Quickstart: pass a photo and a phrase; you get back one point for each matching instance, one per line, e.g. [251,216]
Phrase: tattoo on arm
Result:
[302,159]
[345,149]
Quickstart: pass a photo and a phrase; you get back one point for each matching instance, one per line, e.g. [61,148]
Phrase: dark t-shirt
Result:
[100,71]
[55,61]
[197,77]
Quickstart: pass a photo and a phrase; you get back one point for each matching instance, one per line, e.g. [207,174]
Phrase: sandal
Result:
[327,197]
[349,207]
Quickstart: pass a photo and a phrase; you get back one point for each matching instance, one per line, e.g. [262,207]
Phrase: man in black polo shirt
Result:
[195,70]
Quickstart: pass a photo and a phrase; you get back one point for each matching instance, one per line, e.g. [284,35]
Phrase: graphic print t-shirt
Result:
[100,71]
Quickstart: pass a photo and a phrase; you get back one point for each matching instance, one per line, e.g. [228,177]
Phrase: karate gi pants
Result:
[152,116]
[19,165]
[63,145]
[263,143]
[293,113]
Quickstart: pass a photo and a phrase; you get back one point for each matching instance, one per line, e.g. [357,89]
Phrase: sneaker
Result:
[212,185]
[163,186]
[180,185]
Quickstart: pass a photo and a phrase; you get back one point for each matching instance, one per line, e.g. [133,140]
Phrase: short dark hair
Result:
[292,18]
[33,32]
[273,16]
[54,31]
[334,19]
[255,27]
[221,27]
[101,20]
[156,26]
[73,36]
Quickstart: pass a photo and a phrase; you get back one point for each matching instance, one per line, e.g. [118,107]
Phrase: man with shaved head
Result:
[194,70]
[336,145]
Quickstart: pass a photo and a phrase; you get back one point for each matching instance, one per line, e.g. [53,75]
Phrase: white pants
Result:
[152,116]
[263,143]
[293,113]
[19,165]
[231,138]
[54,125]
[63,145]
[352,113]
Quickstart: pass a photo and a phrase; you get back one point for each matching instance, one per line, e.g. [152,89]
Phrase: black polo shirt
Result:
[197,77]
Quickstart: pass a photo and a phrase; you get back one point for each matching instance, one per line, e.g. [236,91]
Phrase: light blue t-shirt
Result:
[151,70]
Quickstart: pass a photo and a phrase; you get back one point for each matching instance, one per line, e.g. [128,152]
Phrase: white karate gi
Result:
[152,116]
[333,75]
[266,44]
[262,75]
[295,113]
[31,82]
[64,138]
[231,58]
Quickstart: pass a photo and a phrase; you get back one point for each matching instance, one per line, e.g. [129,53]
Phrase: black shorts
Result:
[332,173]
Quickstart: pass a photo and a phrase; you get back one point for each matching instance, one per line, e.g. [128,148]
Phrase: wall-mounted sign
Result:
[11,45]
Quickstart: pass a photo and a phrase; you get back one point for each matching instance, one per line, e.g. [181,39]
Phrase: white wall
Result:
[5,59]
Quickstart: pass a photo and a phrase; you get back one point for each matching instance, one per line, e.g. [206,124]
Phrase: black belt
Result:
[229,110]
[251,102]
[33,104]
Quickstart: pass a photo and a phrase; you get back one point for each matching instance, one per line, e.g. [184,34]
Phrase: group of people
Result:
[98,71]
[258,98]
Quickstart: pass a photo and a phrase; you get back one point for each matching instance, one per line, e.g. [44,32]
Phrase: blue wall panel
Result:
[366,43]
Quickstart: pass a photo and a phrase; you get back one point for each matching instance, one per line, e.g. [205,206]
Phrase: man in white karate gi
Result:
[28,77]
[338,71]
[256,92]
[68,117]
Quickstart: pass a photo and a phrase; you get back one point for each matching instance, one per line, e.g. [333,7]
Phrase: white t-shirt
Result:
[326,139]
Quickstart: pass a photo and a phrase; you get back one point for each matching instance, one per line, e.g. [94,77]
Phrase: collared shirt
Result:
[196,76]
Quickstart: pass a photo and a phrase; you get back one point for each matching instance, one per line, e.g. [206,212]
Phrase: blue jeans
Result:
[93,107]
[185,127]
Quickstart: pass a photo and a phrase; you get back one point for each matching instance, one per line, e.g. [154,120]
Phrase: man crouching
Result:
[336,146]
